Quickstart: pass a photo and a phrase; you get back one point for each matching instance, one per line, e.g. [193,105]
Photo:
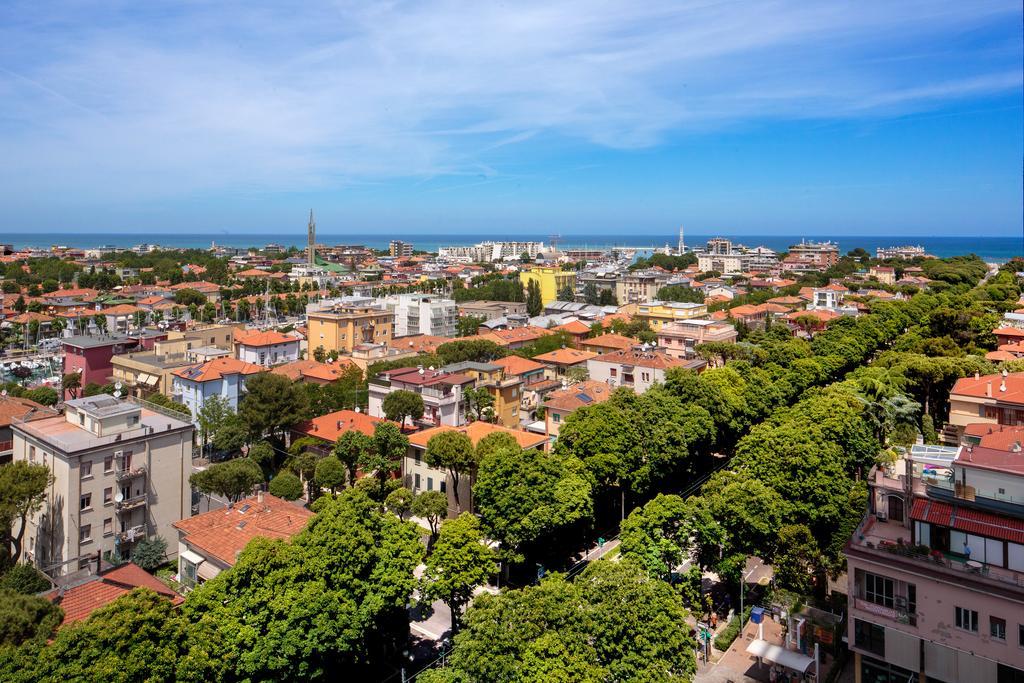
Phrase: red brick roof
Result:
[78,602]
[654,359]
[477,431]
[970,521]
[216,369]
[574,327]
[565,356]
[221,533]
[979,387]
[301,369]
[517,365]
[265,338]
[611,341]
[578,395]
[13,407]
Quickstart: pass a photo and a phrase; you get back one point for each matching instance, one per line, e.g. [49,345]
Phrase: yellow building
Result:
[658,313]
[551,280]
[506,391]
[343,327]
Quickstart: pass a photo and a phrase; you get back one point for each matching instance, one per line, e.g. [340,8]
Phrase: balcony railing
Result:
[132,534]
[129,504]
[122,474]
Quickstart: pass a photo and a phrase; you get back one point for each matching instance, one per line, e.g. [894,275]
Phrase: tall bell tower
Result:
[311,241]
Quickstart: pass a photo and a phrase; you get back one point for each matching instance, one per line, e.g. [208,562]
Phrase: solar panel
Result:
[245,508]
[584,397]
[241,525]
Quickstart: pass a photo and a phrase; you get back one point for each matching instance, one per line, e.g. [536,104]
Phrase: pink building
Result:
[936,569]
[680,338]
[91,355]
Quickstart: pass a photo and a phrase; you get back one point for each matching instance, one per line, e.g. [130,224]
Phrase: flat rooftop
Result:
[84,341]
[71,438]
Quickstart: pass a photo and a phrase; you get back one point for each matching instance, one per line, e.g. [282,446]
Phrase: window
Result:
[108,526]
[416,485]
[1020,635]
[81,419]
[430,483]
[133,420]
[86,469]
[870,637]
[879,590]
[108,495]
[108,464]
[443,489]
[967,619]
[32,453]
[86,501]
[85,533]
[556,418]
[997,628]
[613,372]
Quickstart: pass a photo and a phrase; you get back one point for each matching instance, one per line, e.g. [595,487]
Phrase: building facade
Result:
[442,393]
[120,475]
[223,377]
[423,314]
[341,326]
[550,280]
[680,339]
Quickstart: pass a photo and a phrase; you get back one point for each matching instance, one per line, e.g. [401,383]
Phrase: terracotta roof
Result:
[216,369]
[224,533]
[419,343]
[573,327]
[1000,356]
[654,359]
[821,314]
[518,335]
[565,356]
[327,372]
[517,365]
[995,436]
[78,602]
[332,425]
[256,272]
[578,395]
[21,408]
[997,459]
[1015,347]
[968,520]
[266,338]
[979,388]
[198,285]
[1008,332]
[121,309]
[786,300]
[611,341]
[150,300]
[79,292]
[28,316]
[477,431]
[427,377]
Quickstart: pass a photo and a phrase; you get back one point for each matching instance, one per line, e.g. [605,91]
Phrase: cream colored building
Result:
[146,372]
[120,475]
[658,313]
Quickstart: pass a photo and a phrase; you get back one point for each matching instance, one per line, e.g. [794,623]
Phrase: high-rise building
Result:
[423,314]
[822,254]
[120,475]
[399,249]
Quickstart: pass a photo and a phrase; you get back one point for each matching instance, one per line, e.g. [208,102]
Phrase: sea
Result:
[991,249]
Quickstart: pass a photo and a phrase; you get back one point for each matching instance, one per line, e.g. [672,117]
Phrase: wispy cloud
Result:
[170,99]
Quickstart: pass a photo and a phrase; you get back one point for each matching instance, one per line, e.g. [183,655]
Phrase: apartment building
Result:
[341,325]
[562,362]
[505,390]
[266,348]
[727,264]
[423,314]
[561,403]
[91,355]
[224,377]
[680,339]
[936,568]
[399,249]
[639,367]
[550,280]
[658,313]
[640,286]
[491,310]
[486,252]
[443,402]
[821,254]
[120,475]
[12,409]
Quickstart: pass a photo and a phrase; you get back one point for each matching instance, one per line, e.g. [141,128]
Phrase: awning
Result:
[779,655]
[149,380]
[194,558]
[968,520]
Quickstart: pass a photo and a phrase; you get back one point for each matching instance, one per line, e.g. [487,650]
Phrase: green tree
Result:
[469,324]
[798,559]
[287,486]
[271,404]
[402,404]
[233,479]
[150,553]
[263,454]
[71,382]
[330,474]
[460,561]
[431,506]
[453,452]
[231,435]
[333,599]
[399,502]
[534,303]
[214,411]
[566,293]
[389,447]
[22,493]
[24,579]
[479,404]
[46,396]
[477,350]
[590,294]
[26,618]
[189,297]
[352,448]
[657,535]
[607,298]
[527,498]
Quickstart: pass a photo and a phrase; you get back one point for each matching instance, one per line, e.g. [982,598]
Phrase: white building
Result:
[423,314]
[120,475]
[266,348]
[224,377]
[486,252]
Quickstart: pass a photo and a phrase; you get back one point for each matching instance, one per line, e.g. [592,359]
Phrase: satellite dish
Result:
[119,497]
[117,394]
[358,409]
[78,370]
[3,393]
[118,386]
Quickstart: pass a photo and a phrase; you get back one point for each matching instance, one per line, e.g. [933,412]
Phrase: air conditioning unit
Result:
[118,454]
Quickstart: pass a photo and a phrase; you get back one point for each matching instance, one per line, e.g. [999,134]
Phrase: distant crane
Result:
[553,239]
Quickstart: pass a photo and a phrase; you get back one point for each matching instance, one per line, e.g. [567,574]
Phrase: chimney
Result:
[259,496]
[977,375]
[1002,385]
[988,389]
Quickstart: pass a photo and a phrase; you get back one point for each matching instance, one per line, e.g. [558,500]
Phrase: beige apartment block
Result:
[120,475]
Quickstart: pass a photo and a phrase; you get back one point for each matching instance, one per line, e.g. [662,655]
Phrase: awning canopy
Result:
[192,557]
[779,655]
[149,380]
[968,520]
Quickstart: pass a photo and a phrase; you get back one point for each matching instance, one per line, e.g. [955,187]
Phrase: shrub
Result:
[729,633]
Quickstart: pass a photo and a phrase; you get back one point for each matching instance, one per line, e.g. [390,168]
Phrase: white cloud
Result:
[146,100]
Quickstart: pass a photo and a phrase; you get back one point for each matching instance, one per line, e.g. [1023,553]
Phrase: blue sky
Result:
[575,116]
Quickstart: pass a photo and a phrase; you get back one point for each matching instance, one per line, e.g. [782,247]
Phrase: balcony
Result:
[121,474]
[133,503]
[132,534]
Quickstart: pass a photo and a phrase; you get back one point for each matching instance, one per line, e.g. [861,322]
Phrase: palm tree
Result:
[71,383]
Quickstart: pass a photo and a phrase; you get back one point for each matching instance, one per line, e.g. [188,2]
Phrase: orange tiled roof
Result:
[1000,356]
[266,338]
[654,359]
[79,292]
[517,365]
[327,372]
[21,408]
[578,395]
[78,602]
[419,343]
[565,356]
[1008,332]
[1000,437]
[221,534]
[611,341]
[979,387]
[573,327]
[821,314]
[150,300]
[121,309]
[217,369]
[515,336]
[28,316]
[332,425]
[477,431]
